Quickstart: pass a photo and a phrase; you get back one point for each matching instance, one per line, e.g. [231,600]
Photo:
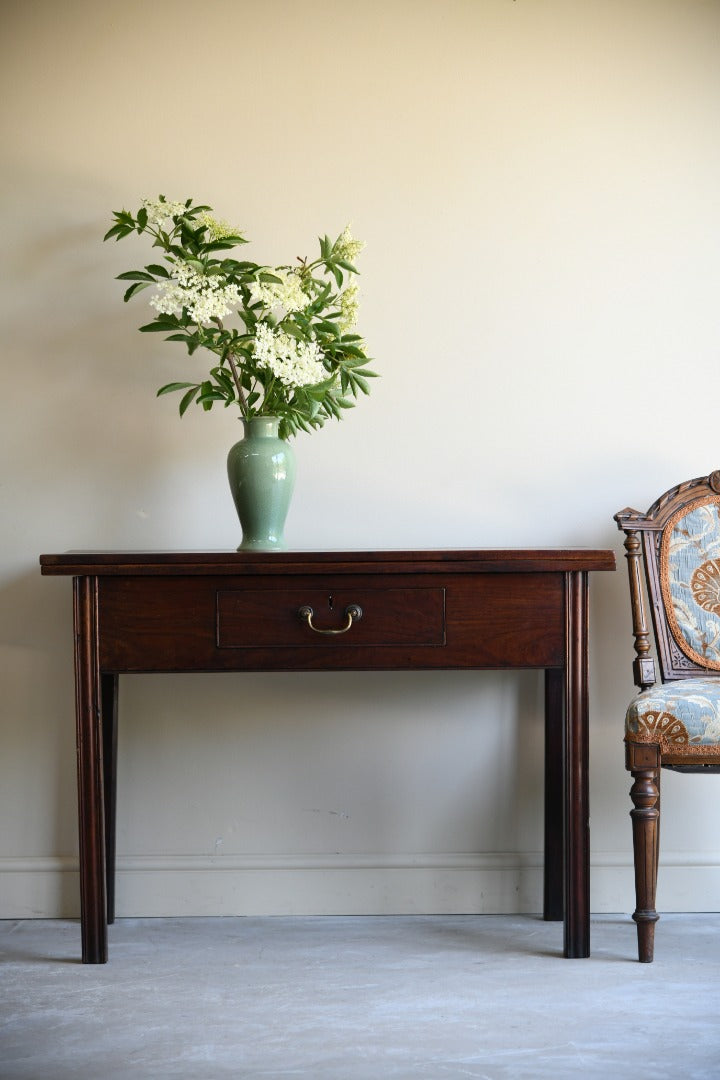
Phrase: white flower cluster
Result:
[293,362]
[287,292]
[205,298]
[217,229]
[158,211]
[348,307]
[345,247]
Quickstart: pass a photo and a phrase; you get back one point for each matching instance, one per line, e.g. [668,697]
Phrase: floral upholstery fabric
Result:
[677,715]
[690,579]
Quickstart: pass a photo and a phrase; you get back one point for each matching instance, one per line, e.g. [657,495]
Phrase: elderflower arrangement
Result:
[292,351]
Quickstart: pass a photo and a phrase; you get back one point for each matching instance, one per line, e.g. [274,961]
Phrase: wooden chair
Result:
[674,724]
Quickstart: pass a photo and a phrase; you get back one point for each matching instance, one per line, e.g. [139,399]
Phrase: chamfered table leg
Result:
[554,840]
[91,815]
[109,699]
[576,765]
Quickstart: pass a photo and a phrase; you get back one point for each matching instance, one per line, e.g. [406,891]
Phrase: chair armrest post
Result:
[643,664]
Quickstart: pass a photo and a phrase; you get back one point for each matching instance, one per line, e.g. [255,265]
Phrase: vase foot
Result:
[262,545]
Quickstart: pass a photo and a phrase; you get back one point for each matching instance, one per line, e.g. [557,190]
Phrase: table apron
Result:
[428,621]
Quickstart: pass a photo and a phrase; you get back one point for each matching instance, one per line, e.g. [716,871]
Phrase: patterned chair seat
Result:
[682,717]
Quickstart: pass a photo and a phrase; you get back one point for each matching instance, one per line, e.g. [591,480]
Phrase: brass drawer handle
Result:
[353,612]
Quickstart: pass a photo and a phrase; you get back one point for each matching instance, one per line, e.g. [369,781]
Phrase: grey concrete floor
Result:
[402,998]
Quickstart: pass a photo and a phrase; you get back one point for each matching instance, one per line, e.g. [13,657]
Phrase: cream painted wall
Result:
[537,185]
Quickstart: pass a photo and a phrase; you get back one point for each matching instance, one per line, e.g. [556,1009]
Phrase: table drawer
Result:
[353,616]
[253,624]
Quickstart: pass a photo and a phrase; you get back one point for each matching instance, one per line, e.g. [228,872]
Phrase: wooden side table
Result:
[323,611]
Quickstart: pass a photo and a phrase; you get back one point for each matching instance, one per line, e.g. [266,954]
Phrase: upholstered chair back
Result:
[678,542]
[690,580]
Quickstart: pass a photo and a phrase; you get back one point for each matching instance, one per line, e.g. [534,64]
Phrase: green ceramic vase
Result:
[261,471]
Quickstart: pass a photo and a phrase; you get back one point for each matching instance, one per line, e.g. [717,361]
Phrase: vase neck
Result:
[261,427]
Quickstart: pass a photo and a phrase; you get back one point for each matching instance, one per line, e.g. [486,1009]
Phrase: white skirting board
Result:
[367,884]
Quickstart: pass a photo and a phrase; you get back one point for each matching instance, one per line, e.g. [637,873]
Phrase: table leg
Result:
[91,817]
[109,712]
[576,804]
[553,890]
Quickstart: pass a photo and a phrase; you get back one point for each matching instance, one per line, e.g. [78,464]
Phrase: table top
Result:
[470,560]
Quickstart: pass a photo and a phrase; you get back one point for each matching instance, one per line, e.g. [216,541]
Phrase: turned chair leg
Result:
[645,794]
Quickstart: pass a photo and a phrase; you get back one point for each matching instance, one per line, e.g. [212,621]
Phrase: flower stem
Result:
[227,354]
[241,393]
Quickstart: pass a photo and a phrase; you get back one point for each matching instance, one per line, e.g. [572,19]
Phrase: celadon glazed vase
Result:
[261,471]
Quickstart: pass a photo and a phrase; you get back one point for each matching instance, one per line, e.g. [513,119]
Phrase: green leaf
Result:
[137,287]
[124,217]
[318,392]
[160,326]
[208,395]
[320,300]
[240,267]
[225,244]
[120,231]
[328,327]
[173,386]
[188,400]
[118,228]
[359,382]
[158,270]
[135,275]
[292,329]
[332,407]
[142,218]
[223,377]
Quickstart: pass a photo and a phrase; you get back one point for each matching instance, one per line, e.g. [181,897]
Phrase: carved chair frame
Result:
[643,545]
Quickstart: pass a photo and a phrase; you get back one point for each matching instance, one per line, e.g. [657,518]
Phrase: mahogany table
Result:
[321,611]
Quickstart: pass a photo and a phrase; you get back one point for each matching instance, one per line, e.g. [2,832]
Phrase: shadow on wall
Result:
[94,450]
[38,793]
[337,762]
